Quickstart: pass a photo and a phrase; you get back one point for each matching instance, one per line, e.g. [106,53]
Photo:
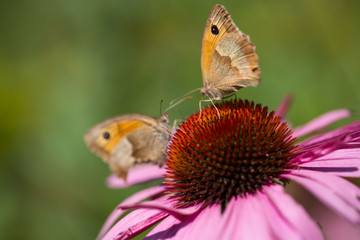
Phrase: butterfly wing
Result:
[228,58]
[128,140]
[103,137]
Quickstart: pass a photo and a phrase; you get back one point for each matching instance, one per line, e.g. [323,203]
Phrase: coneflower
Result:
[225,178]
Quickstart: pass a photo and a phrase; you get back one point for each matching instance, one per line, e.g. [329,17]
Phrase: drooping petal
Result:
[348,168]
[242,219]
[166,229]
[204,225]
[352,130]
[294,213]
[321,122]
[136,222]
[136,175]
[343,162]
[324,145]
[137,197]
[166,206]
[335,192]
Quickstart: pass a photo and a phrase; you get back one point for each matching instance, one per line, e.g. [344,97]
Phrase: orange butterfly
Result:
[228,58]
[128,140]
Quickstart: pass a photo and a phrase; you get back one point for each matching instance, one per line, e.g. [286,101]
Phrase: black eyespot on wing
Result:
[214,30]
[255,69]
[106,135]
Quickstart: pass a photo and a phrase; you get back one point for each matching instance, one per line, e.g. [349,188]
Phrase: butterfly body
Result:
[228,58]
[129,140]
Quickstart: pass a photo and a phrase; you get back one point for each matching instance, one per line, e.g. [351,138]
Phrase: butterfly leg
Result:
[212,102]
[215,107]
[175,124]
[229,96]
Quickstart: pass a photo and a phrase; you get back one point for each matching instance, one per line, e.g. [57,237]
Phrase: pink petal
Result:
[334,226]
[349,192]
[348,167]
[244,218]
[348,129]
[341,154]
[136,175]
[326,194]
[137,197]
[321,122]
[284,106]
[135,222]
[166,229]
[343,162]
[293,213]
[281,228]
[201,226]
[251,217]
[325,144]
[164,206]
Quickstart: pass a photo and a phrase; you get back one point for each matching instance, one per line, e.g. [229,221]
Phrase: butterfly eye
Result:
[106,135]
[214,30]
[255,69]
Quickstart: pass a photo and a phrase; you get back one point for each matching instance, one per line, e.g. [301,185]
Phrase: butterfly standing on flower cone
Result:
[228,58]
[129,140]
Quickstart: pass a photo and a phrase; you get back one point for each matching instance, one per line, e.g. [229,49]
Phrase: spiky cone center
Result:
[212,159]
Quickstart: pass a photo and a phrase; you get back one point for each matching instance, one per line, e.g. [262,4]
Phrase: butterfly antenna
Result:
[173,104]
[161,105]
[183,96]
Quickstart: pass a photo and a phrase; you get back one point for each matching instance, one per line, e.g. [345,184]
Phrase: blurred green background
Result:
[67,65]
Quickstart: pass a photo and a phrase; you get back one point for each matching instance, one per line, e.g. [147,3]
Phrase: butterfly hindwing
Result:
[228,58]
[128,140]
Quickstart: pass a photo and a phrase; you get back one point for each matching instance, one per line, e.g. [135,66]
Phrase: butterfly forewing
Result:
[228,58]
[128,140]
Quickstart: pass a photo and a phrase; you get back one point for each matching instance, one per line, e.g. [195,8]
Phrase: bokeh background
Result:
[67,65]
